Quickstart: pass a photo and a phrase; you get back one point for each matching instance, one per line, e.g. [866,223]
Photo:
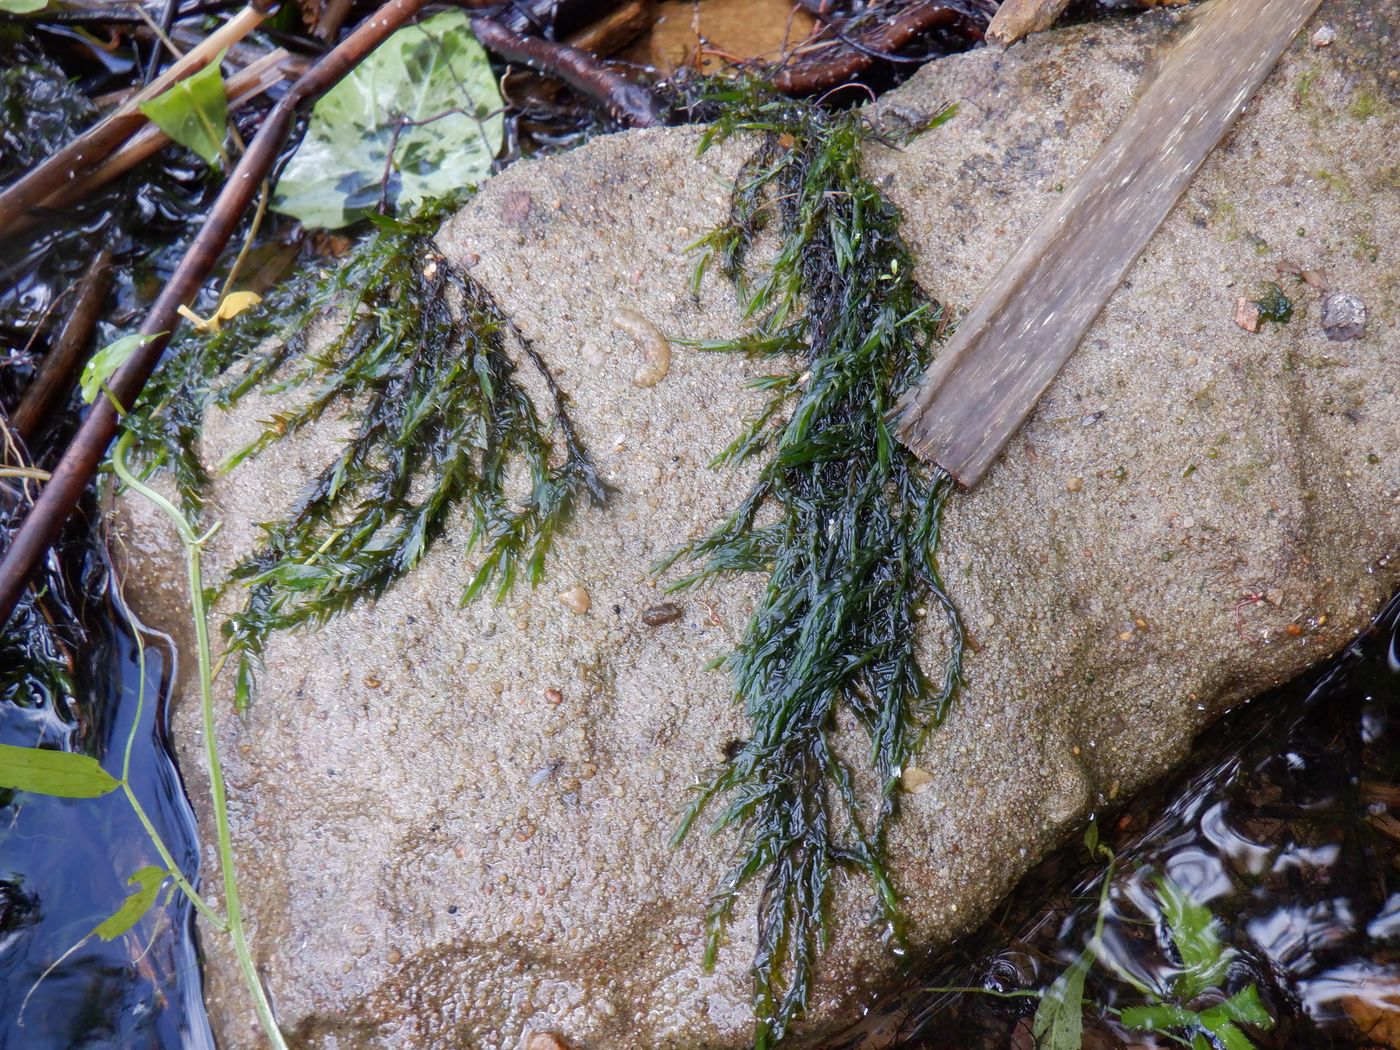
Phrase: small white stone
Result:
[1324,36]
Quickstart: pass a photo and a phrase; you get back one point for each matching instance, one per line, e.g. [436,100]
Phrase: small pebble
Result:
[662,614]
[915,781]
[577,599]
[373,681]
[1324,36]
[1343,316]
[1247,314]
[394,957]
[1074,484]
[554,696]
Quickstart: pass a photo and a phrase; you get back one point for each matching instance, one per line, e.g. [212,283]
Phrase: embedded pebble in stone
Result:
[915,781]
[1247,314]
[660,615]
[577,599]
[1343,316]
[1074,484]
[545,1041]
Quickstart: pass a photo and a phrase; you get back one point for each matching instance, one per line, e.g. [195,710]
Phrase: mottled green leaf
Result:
[429,93]
[1059,1020]
[47,772]
[194,112]
[148,881]
[22,7]
[104,364]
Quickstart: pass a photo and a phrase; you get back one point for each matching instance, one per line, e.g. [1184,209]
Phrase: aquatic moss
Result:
[849,551]
[420,360]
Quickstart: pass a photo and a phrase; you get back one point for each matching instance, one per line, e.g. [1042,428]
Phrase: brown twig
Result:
[623,99]
[89,148]
[78,466]
[854,53]
[62,364]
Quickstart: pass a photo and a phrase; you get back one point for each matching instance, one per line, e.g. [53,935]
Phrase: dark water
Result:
[1285,824]
[64,863]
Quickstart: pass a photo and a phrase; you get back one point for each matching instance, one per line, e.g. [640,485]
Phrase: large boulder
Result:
[436,852]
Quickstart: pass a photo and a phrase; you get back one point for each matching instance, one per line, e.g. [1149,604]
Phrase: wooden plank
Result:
[1028,321]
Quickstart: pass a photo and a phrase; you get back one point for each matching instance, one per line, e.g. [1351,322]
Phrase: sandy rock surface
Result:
[451,823]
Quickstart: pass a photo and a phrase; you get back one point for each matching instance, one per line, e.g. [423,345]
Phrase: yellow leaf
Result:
[234,304]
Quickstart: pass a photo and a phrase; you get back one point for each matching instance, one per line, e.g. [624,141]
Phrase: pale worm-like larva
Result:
[656,349]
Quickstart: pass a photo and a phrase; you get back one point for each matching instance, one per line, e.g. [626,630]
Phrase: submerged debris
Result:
[1272,306]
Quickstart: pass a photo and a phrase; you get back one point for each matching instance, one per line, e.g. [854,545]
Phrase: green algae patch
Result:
[1274,306]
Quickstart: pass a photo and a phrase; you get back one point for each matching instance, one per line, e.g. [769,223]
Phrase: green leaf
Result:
[1244,1006]
[434,74]
[1059,1020]
[194,112]
[1193,929]
[149,880]
[47,772]
[1160,1018]
[105,363]
[22,7]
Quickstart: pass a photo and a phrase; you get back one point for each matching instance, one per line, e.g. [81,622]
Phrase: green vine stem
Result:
[218,798]
[201,905]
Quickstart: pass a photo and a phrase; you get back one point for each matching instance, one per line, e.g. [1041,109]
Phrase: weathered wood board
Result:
[1013,342]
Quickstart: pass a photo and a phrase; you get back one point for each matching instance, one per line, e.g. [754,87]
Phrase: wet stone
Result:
[1343,316]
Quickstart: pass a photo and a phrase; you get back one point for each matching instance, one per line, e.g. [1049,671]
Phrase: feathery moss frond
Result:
[850,559]
[439,421]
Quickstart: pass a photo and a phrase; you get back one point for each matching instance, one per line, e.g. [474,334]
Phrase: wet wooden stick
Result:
[45,520]
[243,87]
[1026,323]
[89,148]
[59,372]
[625,100]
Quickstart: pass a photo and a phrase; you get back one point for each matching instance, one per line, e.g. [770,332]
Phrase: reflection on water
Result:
[64,863]
[1286,824]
